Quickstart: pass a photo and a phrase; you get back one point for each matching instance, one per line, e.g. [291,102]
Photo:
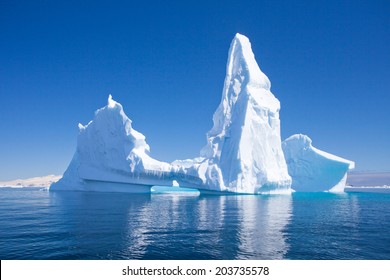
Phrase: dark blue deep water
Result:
[38,224]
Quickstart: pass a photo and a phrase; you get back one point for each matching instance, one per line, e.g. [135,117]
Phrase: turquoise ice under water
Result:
[38,224]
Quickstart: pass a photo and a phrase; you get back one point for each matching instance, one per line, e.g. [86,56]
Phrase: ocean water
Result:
[38,224]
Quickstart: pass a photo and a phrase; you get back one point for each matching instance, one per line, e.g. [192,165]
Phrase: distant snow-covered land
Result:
[376,182]
[44,181]
[372,189]
[362,178]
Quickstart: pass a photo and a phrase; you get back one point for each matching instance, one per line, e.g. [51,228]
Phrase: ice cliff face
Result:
[243,152]
[312,169]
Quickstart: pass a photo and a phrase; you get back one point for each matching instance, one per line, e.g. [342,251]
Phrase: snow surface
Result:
[312,169]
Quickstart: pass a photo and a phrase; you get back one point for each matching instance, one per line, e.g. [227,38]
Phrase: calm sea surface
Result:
[38,224]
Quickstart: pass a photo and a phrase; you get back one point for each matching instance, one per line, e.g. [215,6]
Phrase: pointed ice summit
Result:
[243,152]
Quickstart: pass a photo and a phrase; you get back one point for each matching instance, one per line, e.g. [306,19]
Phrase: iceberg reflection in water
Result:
[175,226]
[187,226]
[262,227]
[36,224]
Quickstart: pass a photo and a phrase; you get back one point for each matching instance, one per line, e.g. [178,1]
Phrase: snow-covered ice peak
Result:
[244,80]
[242,63]
[110,141]
[312,169]
[244,145]
[114,128]
[107,147]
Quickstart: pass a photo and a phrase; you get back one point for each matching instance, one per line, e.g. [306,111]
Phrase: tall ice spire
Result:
[245,139]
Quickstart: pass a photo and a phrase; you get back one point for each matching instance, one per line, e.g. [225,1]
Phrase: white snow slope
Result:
[243,152]
[312,169]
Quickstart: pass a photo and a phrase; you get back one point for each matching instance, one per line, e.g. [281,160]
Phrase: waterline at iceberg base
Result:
[243,153]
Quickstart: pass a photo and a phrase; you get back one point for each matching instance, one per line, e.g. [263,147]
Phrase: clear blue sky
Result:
[328,61]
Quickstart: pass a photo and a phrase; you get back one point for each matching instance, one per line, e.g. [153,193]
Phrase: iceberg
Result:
[313,170]
[243,152]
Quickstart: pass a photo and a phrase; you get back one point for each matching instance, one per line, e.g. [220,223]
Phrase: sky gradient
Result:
[164,61]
